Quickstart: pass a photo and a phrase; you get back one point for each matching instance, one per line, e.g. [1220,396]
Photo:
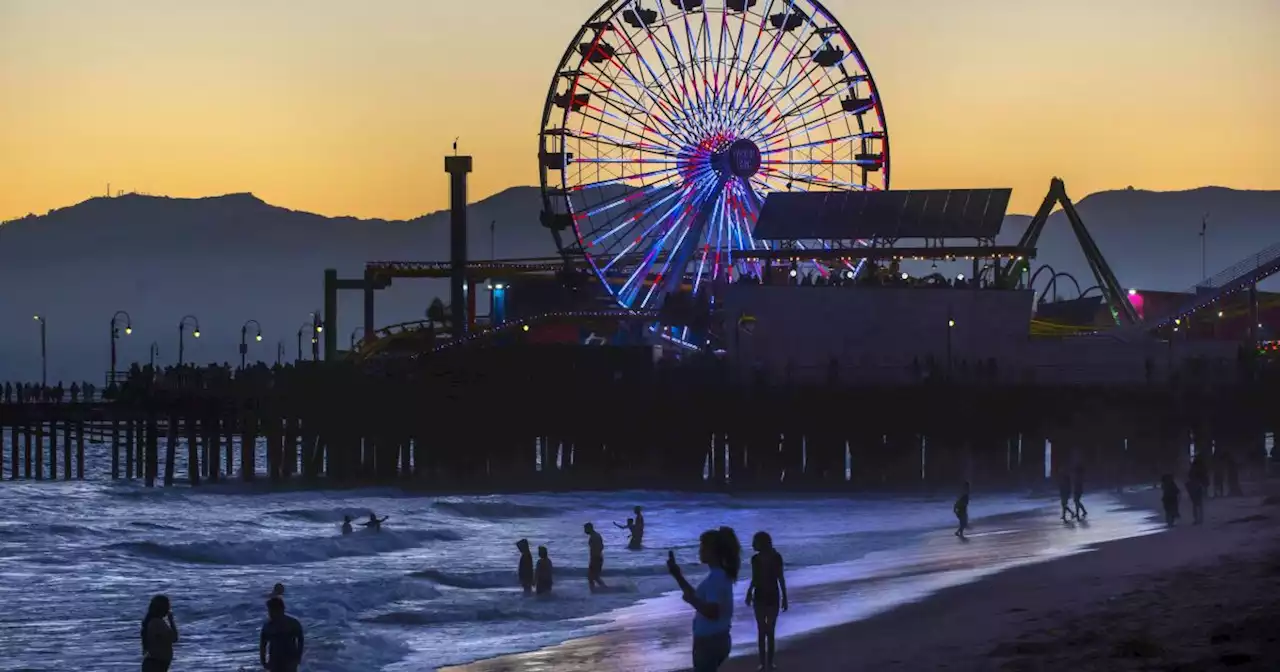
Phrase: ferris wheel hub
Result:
[742,159]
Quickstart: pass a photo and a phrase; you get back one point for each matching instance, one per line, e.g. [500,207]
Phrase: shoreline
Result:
[963,622]
[1027,617]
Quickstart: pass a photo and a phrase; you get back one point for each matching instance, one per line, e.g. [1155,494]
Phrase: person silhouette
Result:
[1077,491]
[712,600]
[159,634]
[346,525]
[375,523]
[281,643]
[542,574]
[525,568]
[595,563]
[767,592]
[961,509]
[1064,494]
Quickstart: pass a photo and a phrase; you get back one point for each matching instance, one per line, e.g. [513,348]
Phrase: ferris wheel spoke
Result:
[630,219]
[662,100]
[686,211]
[634,111]
[825,120]
[623,69]
[815,180]
[681,69]
[868,135]
[600,138]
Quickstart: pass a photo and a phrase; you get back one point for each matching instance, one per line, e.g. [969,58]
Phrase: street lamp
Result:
[279,352]
[44,353]
[182,333]
[155,352]
[317,329]
[115,335]
[244,333]
[951,325]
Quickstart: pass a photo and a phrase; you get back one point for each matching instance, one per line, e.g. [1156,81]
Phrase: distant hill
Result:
[231,258]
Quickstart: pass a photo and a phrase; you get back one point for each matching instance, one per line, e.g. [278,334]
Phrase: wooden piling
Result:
[26,451]
[226,430]
[66,449]
[80,450]
[170,449]
[151,436]
[115,449]
[130,448]
[248,446]
[39,449]
[193,451]
[13,446]
[53,450]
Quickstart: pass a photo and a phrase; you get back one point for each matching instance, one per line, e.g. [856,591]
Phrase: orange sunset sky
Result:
[346,107]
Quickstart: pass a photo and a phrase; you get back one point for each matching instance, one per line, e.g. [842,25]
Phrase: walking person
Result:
[1077,491]
[595,562]
[1064,494]
[766,594]
[159,634]
[1169,496]
[961,509]
[712,600]
[281,643]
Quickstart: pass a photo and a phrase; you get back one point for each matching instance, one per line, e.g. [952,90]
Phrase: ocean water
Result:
[436,588]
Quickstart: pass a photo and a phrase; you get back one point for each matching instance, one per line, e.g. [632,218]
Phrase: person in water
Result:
[159,634]
[525,570]
[1064,494]
[276,591]
[1077,491]
[281,643]
[632,542]
[595,563]
[542,575]
[767,592]
[346,525]
[712,600]
[961,509]
[1169,496]
[637,532]
[375,523]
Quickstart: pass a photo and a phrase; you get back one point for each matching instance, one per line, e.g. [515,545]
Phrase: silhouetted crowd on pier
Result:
[32,393]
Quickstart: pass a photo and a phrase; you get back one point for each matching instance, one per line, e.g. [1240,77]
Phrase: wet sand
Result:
[1195,598]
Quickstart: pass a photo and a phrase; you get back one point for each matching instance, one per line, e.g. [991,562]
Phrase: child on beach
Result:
[712,600]
[1169,498]
[961,509]
[543,572]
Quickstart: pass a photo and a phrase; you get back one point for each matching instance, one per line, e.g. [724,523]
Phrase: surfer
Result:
[282,638]
[346,525]
[543,572]
[526,566]
[595,566]
[961,509]
[159,634]
[767,592]
[374,523]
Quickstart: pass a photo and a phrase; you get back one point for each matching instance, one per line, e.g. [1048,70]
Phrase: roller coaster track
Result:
[1244,274]
[389,334]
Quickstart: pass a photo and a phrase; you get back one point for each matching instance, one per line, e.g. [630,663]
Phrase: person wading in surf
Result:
[595,564]
[281,643]
[375,523]
[346,525]
[159,634]
[525,568]
[543,573]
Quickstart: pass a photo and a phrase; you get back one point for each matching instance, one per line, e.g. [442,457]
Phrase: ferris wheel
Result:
[668,122]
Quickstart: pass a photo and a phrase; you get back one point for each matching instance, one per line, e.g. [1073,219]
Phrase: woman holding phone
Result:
[712,600]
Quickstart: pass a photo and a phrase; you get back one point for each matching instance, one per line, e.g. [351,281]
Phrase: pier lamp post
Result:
[115,335]
[44,352]
[182,335]
[317,328]
[244,339]
[155,352]
[279,353]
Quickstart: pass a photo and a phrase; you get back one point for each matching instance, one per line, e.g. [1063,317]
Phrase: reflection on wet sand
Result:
[654,634]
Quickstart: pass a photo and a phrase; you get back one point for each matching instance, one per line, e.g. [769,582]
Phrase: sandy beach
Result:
[1191,598]
[1194,598]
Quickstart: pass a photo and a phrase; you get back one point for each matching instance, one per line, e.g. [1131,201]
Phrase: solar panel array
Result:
[861,215]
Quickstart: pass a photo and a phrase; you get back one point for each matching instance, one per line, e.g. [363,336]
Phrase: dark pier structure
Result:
[583,396]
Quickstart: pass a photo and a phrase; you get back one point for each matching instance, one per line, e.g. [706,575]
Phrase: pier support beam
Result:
[458,167]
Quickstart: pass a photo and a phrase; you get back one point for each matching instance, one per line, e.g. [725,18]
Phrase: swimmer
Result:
[346,525]
[374,523]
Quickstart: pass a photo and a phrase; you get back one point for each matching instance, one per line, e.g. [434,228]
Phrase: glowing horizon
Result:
[347,110]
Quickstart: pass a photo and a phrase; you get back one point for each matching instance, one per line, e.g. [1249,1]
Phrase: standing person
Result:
[712,600]
[1064,494]
[961,509]
[637,531]
[346,525]
[767,592]
[375,523]
[281,638]
[1169,495]
[1196,492]
[542,574]
[525,569]
[159,634]
[595,564]
[1077,491]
